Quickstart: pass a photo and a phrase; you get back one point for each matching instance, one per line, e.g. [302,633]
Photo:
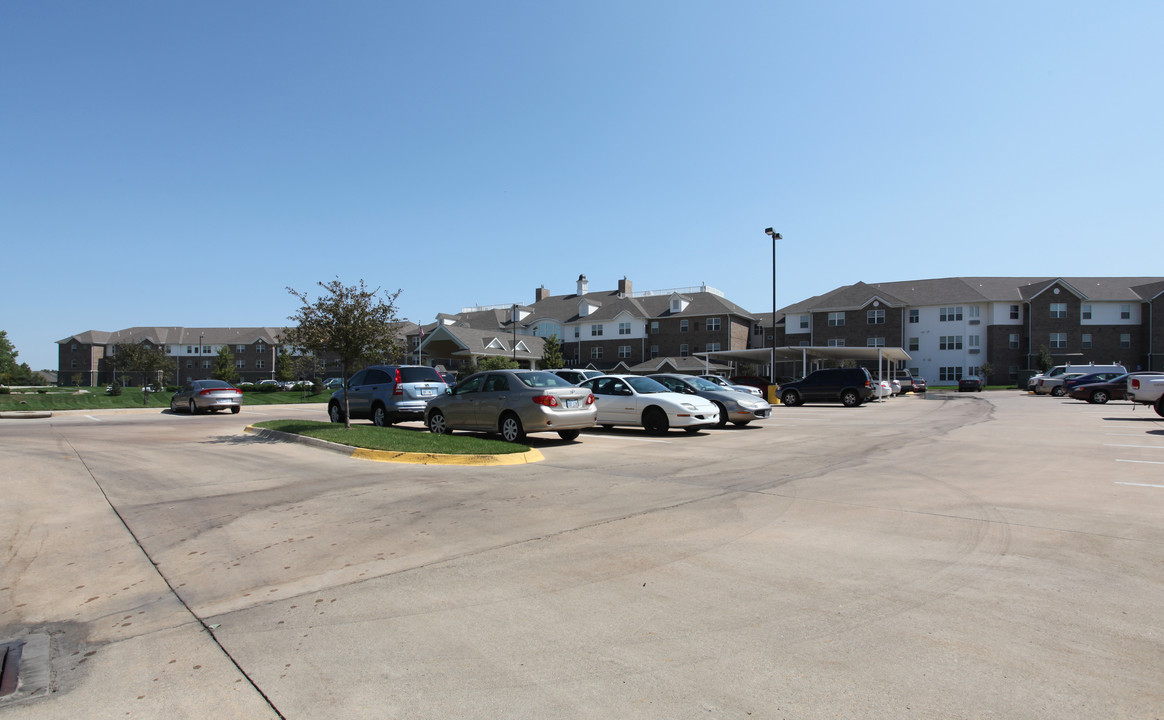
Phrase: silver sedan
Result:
[199,396]
[735,407]
[513,403]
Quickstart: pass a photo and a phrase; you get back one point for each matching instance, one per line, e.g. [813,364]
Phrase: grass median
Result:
[392,439]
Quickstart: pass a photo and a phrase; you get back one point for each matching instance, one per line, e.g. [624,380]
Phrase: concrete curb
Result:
[401,457]
[25,414]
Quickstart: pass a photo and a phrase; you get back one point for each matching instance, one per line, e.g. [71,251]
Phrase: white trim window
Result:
[1013,341]
[950,314]
[914,315]
[950,342]
[875,342]
[836,342]
[1058,341]
[624,351]
[1058,311]
[713,347]
[875,317]
[596,352]
[713,324]
[836,319]
[1125,340]
[595,331]
[1085,341]
[624,328]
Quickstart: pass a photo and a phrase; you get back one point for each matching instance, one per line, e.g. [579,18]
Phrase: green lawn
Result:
[394,439]
[68,398]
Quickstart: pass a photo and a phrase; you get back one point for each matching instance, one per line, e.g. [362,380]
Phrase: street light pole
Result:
[772,365]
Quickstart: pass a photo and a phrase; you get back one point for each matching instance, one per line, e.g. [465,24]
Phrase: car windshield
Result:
[213,384]
[646,386]
[419,374]
[701,384]
[542,380]
[717,380]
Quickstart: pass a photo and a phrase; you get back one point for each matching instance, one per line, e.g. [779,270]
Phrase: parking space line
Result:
[93,418]
[1142,462]
[1140,484]
[1150,447]
[632,439]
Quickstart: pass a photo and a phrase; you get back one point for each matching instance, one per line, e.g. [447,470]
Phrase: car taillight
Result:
[590,399]
[211,391]
[397,390]
[1135,383]
[547,400]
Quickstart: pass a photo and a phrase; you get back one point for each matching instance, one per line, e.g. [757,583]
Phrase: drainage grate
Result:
[10,666]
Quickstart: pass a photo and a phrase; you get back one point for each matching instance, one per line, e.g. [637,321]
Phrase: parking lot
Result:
[987,555]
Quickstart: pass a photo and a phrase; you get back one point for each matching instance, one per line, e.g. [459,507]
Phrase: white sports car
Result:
[641,401]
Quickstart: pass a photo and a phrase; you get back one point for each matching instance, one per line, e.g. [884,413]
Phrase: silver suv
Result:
[387,394]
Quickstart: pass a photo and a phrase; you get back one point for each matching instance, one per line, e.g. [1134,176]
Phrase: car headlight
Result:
[688,406]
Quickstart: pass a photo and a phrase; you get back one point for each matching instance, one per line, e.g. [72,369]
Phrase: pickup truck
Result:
[1147,390]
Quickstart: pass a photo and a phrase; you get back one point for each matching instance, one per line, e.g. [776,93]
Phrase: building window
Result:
[683,351]
[803,322]
[1125,312]
[875,317]
[189,364]
[1014,341]
[713,347]
[73,363]
[654,351]
[950,342]
[595,353]
[624,328]
[949,374]
[875,342]
[682,326]
[654,327]
[1085,312]
[260,364]
[1058,341]
[240,364]
[73,347]
[1085,341]
[836,319]
[757,329]
[1058,311]
[1125,340]
[1014,312]
[913,344]
[975,370]
[950,314]
[836,342]
[205,364]
[576,331]
[713,324]
[973,341]
[595,331]
[260,347]
[914,315]
[189,349]
[624,351]
[974,312]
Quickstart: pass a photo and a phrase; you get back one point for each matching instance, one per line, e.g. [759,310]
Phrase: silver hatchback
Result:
[513,403]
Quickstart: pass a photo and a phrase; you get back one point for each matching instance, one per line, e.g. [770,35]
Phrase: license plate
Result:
[426,392]
[573,403]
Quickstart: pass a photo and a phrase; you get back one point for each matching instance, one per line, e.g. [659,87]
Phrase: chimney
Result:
[583,285]
[541,294]
[624,287]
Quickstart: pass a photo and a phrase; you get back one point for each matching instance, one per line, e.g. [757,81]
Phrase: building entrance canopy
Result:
[806,353]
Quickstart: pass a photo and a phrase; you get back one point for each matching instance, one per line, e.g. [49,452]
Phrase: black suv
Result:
[848,386]
[387,393]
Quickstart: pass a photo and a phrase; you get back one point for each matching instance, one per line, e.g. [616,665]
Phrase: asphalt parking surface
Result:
[988,555]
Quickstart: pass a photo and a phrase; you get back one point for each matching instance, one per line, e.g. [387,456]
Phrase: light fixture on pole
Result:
[772,365]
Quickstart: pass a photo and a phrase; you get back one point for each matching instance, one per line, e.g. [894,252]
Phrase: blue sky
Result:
[182,163]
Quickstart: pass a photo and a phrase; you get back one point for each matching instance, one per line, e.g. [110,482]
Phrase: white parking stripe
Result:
[1142,462]
[1140,484]
[1150,447]
[632,439]
[93,418]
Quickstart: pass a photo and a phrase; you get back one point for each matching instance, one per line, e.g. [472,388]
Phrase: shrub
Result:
[317,388]
[115,388]
[5,390]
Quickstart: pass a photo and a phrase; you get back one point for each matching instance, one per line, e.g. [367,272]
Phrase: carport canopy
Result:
[805,353]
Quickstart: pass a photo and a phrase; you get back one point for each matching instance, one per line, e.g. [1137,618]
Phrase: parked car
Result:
[332,383]
[199,396]
[1054,386]
[574,376]
[450,379]
[1101,391]
[970,383]
[919,385]
[1058,370]
[641,401]
[276,383]
[753,391]
[1071,382]
[848,386]
[387,394]
[513,403]
[733,406]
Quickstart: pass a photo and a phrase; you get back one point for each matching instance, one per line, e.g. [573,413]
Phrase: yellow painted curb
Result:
[443,459]
[531,456]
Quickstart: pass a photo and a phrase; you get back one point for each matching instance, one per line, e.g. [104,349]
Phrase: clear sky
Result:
[182,163]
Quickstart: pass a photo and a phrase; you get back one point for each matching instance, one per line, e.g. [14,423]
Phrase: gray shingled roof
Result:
[178,336]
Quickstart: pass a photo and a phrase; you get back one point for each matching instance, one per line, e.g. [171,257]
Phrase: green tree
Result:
[284,365]
[552,353]
[987,369]
[8,367]
[497,362]
[224,368]
[354,323]
[1044,362]
[147,362]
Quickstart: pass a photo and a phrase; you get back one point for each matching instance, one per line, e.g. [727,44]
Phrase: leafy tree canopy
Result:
[148,362]
[497,362]
[552,353]
[224,368]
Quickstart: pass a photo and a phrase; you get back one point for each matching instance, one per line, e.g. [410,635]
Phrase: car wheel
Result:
[193,408]
[334,413]
[1099,397]
[569,434]
[850,398]
[380,416]
[437,424]
[173,406]
[1057,391]
[1160,406]
[234,410]
[723,418]
[655,421]
[511,430]
[790,398]
[741,423]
